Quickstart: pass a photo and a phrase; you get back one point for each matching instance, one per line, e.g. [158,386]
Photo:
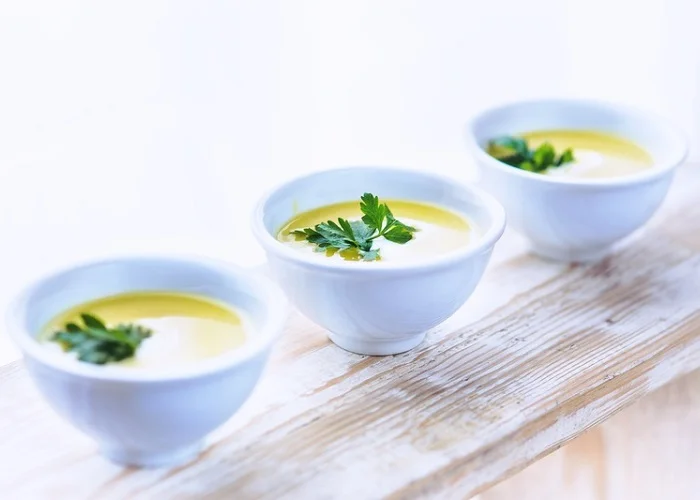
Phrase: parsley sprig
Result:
[377,221]
[515,152]
[94,343]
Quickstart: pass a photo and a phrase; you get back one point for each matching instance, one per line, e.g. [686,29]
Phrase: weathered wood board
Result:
[646,452]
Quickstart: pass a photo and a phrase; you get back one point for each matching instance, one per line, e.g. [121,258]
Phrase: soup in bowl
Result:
[148,355]
[377,256]
[575,176]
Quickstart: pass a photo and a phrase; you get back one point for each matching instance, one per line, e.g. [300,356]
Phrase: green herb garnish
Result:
[515,152]
[377,221]
[95,343]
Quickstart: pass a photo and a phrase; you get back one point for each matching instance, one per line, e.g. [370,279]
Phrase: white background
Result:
[153,126]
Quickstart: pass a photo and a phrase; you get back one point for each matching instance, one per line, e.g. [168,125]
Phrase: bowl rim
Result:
[658,170]
[263,337]
[486,241]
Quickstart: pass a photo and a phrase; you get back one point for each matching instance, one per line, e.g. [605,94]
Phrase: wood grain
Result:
[541,353]
[646,452]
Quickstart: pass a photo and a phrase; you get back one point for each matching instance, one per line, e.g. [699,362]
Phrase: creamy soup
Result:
[596,154]
[438,231]
[186,328]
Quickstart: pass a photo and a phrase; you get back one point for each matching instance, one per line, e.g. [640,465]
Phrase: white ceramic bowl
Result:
[148,417]
[377,308]
[574,219]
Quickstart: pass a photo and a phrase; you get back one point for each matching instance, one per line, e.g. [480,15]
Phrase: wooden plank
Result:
[541,353]
[646,452]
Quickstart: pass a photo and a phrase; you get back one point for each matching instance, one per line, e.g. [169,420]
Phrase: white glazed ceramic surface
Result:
[377,308]
[148,417]
[573,219]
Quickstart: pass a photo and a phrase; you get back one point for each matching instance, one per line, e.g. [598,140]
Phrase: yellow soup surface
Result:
[186,328]
[439,231]
[596,154]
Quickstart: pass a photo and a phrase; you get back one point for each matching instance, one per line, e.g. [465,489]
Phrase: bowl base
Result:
[570,255]
[376,347]
[151,459]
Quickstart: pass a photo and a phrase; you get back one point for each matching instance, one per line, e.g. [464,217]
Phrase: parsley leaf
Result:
[399,233]
[371,255]
[511,150]
[374,213]
[362,234]
[515,152]
[379,217]
[377,221]
[543,156]
[95,343]
[566,157]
